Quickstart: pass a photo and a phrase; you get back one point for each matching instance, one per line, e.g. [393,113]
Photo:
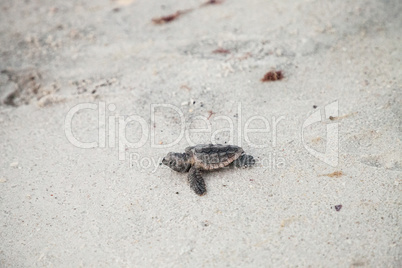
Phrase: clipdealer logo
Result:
[112,129]
[108,134]
[331,155]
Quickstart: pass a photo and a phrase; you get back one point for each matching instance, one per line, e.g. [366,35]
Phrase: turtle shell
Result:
[213,156]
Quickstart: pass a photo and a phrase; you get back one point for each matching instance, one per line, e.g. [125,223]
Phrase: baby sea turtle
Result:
[206,157]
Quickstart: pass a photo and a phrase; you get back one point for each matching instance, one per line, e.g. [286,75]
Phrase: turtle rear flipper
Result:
[244,160]
[196,181]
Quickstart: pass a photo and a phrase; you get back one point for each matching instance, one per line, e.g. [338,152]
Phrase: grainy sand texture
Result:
[95,93]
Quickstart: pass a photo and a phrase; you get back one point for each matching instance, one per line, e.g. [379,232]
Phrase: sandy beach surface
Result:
[95,93]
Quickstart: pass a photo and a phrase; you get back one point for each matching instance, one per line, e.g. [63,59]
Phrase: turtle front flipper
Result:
[196,181]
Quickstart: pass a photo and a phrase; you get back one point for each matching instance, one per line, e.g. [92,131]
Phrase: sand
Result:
[94,94]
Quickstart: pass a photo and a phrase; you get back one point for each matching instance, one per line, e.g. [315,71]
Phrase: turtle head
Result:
[177,162]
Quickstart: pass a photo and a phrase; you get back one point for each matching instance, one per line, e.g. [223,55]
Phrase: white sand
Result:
[65,206]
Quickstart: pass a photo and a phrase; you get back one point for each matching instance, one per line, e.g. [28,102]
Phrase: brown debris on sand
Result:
[212,2]
[177,14]
[272,76]
[338,207]
[336,174]
[221,51]
[210,112]
[333,118]
[171,17]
